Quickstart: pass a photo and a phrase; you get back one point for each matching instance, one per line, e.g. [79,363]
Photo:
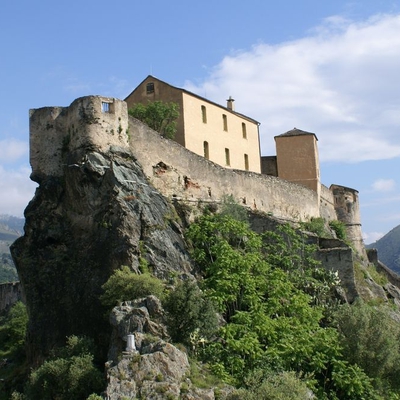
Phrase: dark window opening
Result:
[204,114]
[225,122]
[206,151]
[244,130]
[227,157]
[246,162]
[150,88]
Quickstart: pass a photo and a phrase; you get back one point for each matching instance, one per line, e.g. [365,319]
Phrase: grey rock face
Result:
[100,214]
[157,369]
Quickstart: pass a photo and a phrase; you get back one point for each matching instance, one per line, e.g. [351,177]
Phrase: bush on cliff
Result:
[189,313]
[71,374]
[124,285]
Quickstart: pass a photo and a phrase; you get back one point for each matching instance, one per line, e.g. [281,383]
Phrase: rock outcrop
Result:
[101,214]
[156,369]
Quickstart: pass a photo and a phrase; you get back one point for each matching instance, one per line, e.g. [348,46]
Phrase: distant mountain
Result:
[389,249]
[11,228]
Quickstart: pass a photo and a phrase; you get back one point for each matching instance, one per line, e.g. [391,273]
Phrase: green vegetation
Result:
[158,115]
[370,339]
[191,317]
[70,374]
[12,339]
[339,228]
[278,305]
[277,386]
[125,284]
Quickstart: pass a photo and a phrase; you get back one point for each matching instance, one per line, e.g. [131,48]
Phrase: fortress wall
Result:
[10,293]
[57,130]
[341,260]
[174,170]
[327,204]
[179,173]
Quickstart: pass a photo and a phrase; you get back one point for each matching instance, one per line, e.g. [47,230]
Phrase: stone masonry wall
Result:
[10,293]
[89,121]
[181,174]
[172,169]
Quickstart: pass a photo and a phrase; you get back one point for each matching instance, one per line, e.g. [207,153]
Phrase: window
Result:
[227,157]
[206,151]
[244,130]
[150,88]
[225,122]
[246,162]
[204,114]
[105,107]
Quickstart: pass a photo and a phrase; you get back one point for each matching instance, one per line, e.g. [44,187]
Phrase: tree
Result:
[189,312]
[69,375]
[124,285]
[158,115]
[273,321]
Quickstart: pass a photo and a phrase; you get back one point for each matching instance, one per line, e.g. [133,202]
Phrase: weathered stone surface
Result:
[79,228]
[157,370]
[10,293]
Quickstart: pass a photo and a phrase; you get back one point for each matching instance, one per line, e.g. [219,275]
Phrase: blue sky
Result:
[330,67]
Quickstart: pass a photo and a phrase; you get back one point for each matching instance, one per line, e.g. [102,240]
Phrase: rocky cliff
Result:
[101,214]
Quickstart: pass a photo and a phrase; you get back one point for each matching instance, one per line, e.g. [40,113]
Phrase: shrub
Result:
[370,338]
[279,386]
[13,330]
[125,285]
[339,228]
[72,376]
[189,312]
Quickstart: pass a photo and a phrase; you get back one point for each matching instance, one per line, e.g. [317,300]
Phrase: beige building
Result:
[218,133]
[297,158]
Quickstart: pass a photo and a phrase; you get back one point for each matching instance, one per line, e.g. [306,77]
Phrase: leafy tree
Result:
[158,115]
[70,375]
[371,339]
[13,329]
[259,283]
[189,312]
[124,284]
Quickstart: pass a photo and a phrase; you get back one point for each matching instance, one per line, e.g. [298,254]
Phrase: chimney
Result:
[229,104]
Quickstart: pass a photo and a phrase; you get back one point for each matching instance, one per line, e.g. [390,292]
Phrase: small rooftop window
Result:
[150,88]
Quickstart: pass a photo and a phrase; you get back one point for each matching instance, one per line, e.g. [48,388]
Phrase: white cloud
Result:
[384,185]
[11,150]
[372,237]
[340,82]
[16,190]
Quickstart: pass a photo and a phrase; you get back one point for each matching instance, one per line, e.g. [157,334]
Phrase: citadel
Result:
[216,152]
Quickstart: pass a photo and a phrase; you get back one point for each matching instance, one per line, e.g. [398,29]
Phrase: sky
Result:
[329,67]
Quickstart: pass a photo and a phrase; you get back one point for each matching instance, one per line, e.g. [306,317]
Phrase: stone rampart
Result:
[181,174]
[91,121]
[96,122]
[327,204]
[10,293]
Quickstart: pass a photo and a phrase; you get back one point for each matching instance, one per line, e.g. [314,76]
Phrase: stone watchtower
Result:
[297,158]
[89,121]
[347,209]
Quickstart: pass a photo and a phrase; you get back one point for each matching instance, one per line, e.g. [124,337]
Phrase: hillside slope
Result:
[389,249]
